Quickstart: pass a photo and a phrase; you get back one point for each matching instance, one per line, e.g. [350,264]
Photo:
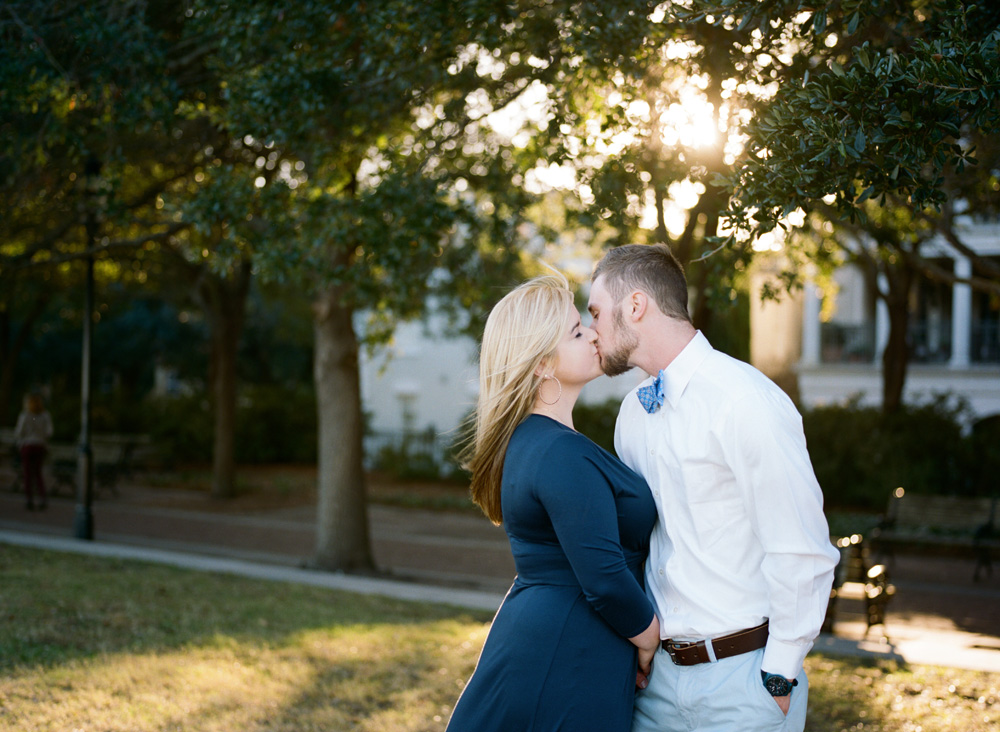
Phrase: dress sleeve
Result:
[579,500]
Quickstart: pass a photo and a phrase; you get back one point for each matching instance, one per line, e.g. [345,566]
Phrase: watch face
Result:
[777,686]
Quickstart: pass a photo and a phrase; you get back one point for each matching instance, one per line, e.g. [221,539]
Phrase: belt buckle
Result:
[673,647]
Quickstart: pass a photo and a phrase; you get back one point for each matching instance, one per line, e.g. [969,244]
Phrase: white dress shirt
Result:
[741,535]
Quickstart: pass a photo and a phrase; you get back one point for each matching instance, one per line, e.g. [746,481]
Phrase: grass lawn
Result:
[94,644]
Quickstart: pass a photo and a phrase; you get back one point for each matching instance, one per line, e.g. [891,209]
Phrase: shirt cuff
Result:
[783,658]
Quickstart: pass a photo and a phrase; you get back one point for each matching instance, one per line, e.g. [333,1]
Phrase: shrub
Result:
[416,454]
[276,424]
[273,424]
[984,448]
[180,428]
[860,454]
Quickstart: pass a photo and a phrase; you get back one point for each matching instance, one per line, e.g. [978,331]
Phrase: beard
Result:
[616,362]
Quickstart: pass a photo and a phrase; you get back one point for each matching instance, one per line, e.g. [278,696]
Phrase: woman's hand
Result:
[645,668]
[647,642]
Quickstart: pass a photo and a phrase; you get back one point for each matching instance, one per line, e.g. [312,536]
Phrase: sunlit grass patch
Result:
[879,695]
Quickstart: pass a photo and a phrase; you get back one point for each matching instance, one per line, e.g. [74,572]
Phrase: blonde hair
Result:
[522,331]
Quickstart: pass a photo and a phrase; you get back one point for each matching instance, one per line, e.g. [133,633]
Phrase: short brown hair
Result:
[652,268]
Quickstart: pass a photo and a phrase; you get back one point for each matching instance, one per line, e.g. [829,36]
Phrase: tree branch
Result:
[37,38]
[923,265]
[111,246]
[944,227]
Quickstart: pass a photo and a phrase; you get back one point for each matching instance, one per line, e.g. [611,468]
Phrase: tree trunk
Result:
[896,356]
[342,522]
[224,302]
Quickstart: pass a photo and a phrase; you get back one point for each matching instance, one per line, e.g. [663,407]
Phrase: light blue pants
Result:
[725,696]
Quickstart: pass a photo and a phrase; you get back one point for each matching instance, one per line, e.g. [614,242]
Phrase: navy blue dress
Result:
[558,656]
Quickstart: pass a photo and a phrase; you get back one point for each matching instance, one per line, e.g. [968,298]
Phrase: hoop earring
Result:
[558,396]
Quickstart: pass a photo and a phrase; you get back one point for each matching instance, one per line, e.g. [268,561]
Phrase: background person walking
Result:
[32,433]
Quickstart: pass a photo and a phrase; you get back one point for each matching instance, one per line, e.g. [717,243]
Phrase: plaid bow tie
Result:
[651,397]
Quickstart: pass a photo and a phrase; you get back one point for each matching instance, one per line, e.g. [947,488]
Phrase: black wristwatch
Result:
[777,685]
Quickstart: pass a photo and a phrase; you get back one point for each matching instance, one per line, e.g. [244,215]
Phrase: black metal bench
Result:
[856,579]
[943,524]
[112,460]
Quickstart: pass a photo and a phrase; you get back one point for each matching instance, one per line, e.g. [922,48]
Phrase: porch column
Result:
[961,315]
[881,322]
[811,337]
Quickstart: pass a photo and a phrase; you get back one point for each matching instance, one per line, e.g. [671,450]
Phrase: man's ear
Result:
[636,305]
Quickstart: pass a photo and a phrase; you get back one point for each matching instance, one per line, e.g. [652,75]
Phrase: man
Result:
[740,562]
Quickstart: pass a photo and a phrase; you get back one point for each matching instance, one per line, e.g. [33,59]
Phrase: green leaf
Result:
[863,59]
[852,22]
[819,22]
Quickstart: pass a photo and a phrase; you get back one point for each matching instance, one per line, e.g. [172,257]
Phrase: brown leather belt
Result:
[690,654]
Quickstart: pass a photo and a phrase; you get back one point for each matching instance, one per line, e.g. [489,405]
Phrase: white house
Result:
[954,335]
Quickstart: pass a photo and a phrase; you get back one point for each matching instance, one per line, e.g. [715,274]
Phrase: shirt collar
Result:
[680,371]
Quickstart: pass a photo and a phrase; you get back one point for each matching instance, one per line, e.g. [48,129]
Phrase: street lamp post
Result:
[83,523]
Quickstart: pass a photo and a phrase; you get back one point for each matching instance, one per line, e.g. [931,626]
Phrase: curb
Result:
[470,599]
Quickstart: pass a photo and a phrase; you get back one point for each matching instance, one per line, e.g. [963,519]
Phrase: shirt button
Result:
[661,571]
[676,609]
[652,451]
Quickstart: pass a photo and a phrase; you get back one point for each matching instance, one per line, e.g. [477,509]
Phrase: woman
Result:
[562,651]
[33,430]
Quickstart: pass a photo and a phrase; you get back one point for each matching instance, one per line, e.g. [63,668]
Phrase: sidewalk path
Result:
[938,616]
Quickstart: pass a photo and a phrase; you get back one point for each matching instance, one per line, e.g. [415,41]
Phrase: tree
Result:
[83,106]
[403,190]
[367,228]
[679,108]
[289,140]
[894,103]
[639,127]
[113,165]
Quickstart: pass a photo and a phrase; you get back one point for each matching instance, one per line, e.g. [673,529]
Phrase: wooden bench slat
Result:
[949,512]
[945,522]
